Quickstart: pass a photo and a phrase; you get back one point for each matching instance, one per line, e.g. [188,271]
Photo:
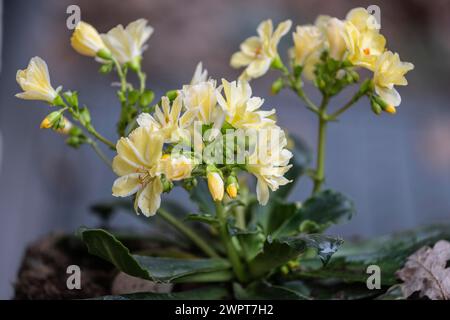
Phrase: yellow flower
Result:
[35,82]
[362,20]
[127,44]
[269,161]
[136,164]
[363,47]
[86,41]
[200,74]
[201,97]
[258,52]
[169,121]
[176,167]
[333,29]
[308,40]
[241,108]
[215,185]
[390,71]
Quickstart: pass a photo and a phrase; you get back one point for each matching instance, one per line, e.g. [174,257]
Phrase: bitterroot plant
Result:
[218,141]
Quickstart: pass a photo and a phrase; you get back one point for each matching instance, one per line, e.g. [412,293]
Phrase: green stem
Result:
[188,232]
[99,152]
[89,127]
[347,106]
[101,138]
[309,104]
[320,170]
[233,256]
[142,78]
[319,176]
[123,80]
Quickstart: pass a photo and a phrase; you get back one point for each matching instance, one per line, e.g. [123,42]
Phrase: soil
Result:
[42,274]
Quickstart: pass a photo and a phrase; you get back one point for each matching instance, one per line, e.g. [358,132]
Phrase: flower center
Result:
[366,51]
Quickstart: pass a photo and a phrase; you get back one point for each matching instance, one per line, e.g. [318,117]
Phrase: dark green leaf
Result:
[106,246]
[279,251]
[325,208]
[273,215]
[388,252]
[252,243]
[265,291]
[208,293]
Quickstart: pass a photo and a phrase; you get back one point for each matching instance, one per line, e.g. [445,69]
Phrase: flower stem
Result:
[101,138]
[188,232]
[233,256]
[319,176]
[142,78]
[89,127]
[99,152]
[321,143]
[347,106]
[123,80]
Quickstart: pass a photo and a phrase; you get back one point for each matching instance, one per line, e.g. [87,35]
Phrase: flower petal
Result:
[126,185]
[149,200]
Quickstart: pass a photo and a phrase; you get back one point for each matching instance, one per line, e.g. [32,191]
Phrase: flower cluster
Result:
[358,40]
[126,45]
[170,144]
[355,41]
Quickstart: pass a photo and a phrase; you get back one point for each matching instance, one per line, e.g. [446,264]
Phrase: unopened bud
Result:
[232,187]
[215,185]
[277,86]
[375,107]
[104,54]
[390,109]
[51,121]
[167,184]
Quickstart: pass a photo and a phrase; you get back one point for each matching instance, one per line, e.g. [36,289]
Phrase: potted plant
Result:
[216,140]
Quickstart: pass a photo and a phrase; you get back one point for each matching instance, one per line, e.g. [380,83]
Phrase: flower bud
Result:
[86,41]
[232,187]
[51,121]
[277,86]
[215,185]
[166,183]
[390,109]
[375,107]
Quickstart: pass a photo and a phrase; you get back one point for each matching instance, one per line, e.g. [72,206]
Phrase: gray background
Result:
[397,169]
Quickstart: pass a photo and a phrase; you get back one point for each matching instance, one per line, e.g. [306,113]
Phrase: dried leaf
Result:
[425,272]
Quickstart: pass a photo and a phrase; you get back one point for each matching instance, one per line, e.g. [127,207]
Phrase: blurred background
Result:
[395,168]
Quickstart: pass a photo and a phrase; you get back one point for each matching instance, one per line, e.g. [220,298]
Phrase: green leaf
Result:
[279,251]
[325,208]
[208,293]
[200,195]
[106,246]
[205,218]
[273,215]
[388,252]
[252,243]
[301,160]
[265,291]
